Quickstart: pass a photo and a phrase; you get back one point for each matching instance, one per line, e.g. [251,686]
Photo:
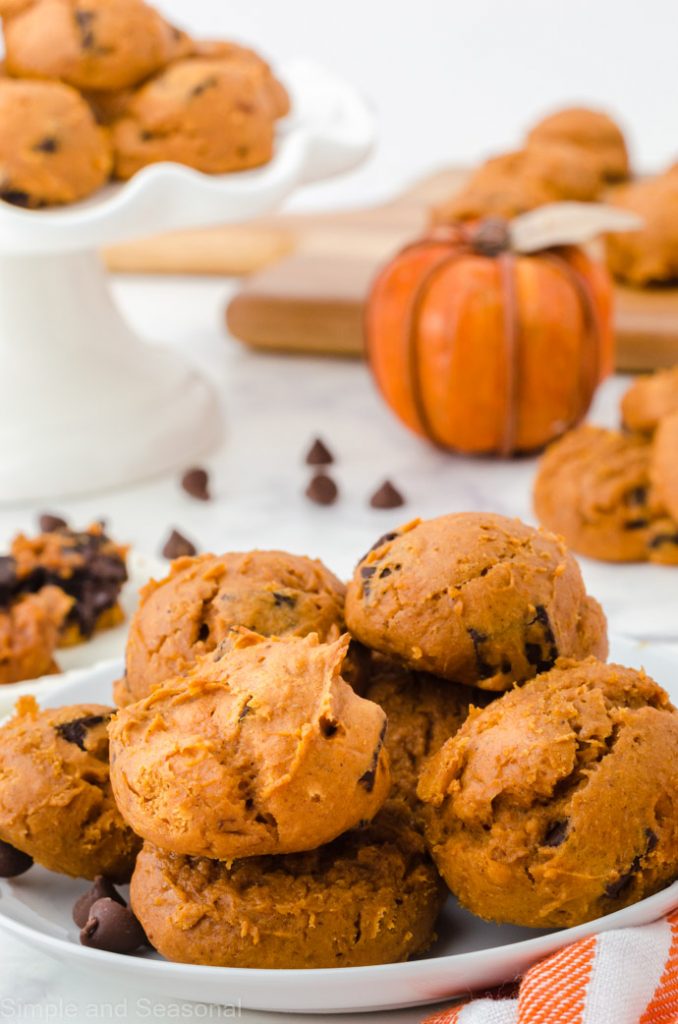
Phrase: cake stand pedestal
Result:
[86,404]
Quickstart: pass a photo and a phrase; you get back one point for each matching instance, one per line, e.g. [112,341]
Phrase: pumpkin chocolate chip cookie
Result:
[474,598]
[556,804]
[51,149]
[208,113]
[90,44]
[56,803]
[370,897]
[30,626]
[193,609]
[593,132]
[262,748]
[593,486]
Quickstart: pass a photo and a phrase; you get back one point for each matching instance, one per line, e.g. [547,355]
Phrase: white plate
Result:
[470,954]
[102,650]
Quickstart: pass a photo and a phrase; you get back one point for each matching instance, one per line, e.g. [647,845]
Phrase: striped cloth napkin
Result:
[627,976]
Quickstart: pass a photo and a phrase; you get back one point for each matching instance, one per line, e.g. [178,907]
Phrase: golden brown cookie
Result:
[262,748]
[512,183]
[370,897]
[193,609]
[51,149]
[422,712]
[592,131]
[664,470]
[91,44]
[649,399]
[86,565]
[593,486]
[650,254]
[30,626]
[474,598]
[234,53]
[556,804]
[56,802]
[211,114]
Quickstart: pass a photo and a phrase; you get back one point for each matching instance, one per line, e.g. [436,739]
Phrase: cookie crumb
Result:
[322,490]
[319,454]
[177,546]
[387,496]
[195,482]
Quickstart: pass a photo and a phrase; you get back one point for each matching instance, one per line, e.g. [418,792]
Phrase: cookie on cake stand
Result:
[86,403]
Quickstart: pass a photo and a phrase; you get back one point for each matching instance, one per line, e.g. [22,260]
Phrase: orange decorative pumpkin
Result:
[485,350]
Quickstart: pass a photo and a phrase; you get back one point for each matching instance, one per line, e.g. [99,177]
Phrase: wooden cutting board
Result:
[308,276]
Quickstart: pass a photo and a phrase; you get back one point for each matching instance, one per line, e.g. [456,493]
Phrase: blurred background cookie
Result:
[592,131]
[650,254]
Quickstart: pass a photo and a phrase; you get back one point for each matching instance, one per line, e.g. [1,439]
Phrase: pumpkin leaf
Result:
[568,224]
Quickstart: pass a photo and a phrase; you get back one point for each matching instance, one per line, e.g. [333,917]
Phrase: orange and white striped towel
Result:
[627,976]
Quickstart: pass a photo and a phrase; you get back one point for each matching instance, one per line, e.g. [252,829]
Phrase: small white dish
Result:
[469,955]
[103,650]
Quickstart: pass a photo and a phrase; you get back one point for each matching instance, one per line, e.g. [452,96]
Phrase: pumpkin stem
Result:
[491,237]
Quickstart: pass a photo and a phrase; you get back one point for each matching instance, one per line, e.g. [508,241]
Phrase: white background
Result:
[452,81]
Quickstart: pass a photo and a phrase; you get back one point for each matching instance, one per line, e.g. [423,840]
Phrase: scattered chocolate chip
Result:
[555,834]
[76,730]
[12,861]
[281,599]
[368,778]
[387,496]
[112,927]
[50,523]
[319,454]
[15,197]
[322,490]
[177,546]
[196,483]
[101,889]
[47,145]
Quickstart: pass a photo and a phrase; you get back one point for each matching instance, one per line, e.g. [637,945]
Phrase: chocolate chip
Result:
[50,523]
[541,650]
[652,841]
[84,20]
[284,599]
[636,524]
[387,496]
[636,496]
[322,490]
[8,578]
[367,571]
[663,538]
[319,454]
[101,889]
[616,889]
[76,730]
[201,87]
[176,546]
[12,861]
[196,483]
[203,632]
[15,197]
[555,834]
[112,927]
[245,710]
[328,727]
[384,539]
[47,145]
[483,667]
[385,572]
[368,778]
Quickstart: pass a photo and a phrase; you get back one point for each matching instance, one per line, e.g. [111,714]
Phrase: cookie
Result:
[474,598]
[593,487]
[648,255]
[664,471]
[51,149]
[370,897]
[87,565]
[593,132]
[512,183]
[211,114]
[262,748]
[422,712]
[649,399]
[56,802]
[30,627]
[234,53]
[193,609]
[555,804]
[90,44]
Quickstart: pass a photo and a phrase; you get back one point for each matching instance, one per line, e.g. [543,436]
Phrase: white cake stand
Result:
[85,403]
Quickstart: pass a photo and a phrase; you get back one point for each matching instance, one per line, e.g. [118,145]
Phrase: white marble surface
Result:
[273,408]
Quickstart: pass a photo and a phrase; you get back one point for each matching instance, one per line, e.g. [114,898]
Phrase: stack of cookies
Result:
[613,494]
[97,88]
[304,766]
